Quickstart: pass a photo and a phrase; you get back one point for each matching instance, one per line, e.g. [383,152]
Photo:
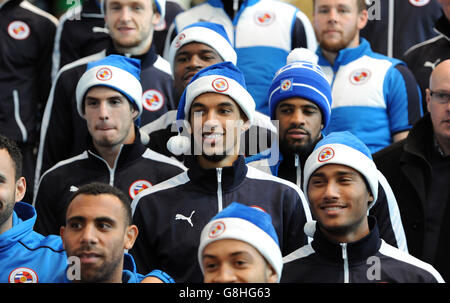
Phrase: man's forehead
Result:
[193,47]
[92,206]
[297,101]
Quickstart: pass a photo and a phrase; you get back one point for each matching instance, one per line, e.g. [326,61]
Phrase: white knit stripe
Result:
[254,173]
[397,254]
[178,180]
[152,155]
[79,157]
[302,252]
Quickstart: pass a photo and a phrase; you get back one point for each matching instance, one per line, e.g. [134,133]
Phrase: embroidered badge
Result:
[264,18]
[19,30]
[137,186]
[104,74]
[360,76]
[23,275]
[152,100]
[220,85]
[216,230]
[326,154]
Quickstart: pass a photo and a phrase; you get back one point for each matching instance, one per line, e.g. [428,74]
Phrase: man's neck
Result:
[109,154]
[7,225]
[330,56]
[350,236]
[207,164]
[138,50]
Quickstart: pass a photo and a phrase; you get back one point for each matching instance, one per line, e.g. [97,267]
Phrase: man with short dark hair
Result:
[341,182]
[98,228]
[131,24]
[172,214]
[109,99]
[25,255]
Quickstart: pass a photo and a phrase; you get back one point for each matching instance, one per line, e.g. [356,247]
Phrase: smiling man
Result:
[172,214]
[109,99]
[341,181]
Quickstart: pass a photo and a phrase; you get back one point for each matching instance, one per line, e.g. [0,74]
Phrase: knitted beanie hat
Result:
[114,71]
[211,34]
[346,149]
[301,77]
[248,224]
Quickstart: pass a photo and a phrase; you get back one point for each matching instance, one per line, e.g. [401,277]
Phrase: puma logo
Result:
[182,217]
[432,65]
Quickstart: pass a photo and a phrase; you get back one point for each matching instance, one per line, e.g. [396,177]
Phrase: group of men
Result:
[189,206]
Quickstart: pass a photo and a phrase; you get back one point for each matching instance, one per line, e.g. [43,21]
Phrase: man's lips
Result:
[297,133]
[211,138]
[332,209]
[89,257]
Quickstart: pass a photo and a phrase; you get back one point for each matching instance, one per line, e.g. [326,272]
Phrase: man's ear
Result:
[62,229]
[21,188]
[130,236]
[271,274]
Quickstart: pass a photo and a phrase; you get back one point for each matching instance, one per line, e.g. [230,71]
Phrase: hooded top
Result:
[29,257]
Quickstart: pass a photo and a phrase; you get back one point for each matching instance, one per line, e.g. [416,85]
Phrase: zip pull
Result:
[235,7]
[298,170]
[345,257]
[219,189]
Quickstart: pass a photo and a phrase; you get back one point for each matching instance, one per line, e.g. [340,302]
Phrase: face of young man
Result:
[11,191]
[234,261]
[96,232]
[339,200]
[109,117]
[189,59]
[216,123]
[300,124]
[131,23]
[337,23]
[438,104]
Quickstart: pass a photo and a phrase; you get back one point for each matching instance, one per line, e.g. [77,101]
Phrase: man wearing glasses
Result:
[418,170]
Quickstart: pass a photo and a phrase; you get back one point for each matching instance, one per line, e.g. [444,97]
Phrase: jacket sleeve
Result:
[387,213]
[45,204]
[44,65]
[142,250]
[296,215]
[403,98]
[303,33]
[56,130]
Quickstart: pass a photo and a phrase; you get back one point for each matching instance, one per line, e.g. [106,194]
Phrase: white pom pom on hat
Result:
[302,54]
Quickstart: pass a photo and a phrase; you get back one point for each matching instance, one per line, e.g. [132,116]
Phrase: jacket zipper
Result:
[112,170]
[19,122]
[298,169]
[219,189]
[345,257]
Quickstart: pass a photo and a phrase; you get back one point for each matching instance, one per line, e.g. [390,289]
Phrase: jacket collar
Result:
[442,26]
[206,179]
[24,217]
[356,251]
[346,55]
[420,139]
[147,59]
[128,153]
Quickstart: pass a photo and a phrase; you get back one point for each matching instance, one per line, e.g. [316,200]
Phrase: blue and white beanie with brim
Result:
[221,78]
[301,77]
[208,33]
[248,224]
[114,71]
[160,7]
[346,149]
